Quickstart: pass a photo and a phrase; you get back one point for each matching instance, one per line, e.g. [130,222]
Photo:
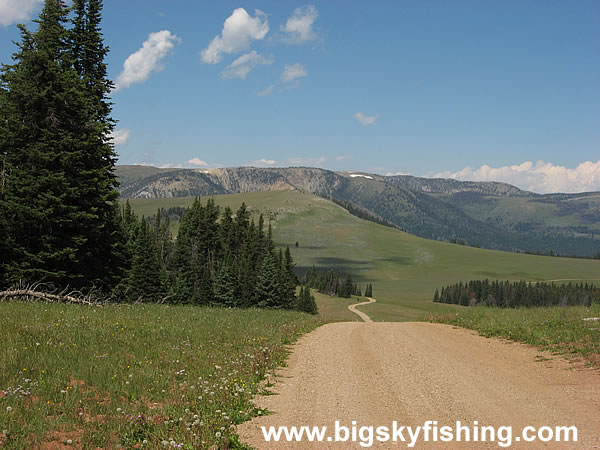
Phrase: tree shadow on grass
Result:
[341,266]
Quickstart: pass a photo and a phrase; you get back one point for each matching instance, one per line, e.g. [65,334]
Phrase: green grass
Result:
[404,269]
[334,309]
[119,375]
[557,329]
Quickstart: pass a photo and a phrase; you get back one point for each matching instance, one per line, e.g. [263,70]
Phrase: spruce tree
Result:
[60,187]
[224,287]
[289,281]
[306,301]
[147,277]
[267,287]
[42,143]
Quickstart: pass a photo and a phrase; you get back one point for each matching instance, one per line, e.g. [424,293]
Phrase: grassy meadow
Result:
[405,270]
[557,329]
[127,375]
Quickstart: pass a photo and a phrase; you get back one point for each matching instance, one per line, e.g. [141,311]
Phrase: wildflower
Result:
[8,409]
[218,434]
[119,410]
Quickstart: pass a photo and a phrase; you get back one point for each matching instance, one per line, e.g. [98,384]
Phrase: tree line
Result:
[507,294]
[219,258]
[330,283]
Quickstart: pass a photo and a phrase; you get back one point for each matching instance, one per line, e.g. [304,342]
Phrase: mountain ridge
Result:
[488,214]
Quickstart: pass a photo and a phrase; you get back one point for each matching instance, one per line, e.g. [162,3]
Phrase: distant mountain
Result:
[486,214]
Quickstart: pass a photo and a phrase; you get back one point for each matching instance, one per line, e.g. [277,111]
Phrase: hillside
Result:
[405,269]
[490,215]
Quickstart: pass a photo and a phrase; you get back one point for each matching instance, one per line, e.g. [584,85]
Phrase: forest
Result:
[507,294]
[218,258]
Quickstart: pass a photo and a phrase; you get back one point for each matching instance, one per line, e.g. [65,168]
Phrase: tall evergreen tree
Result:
[101,251]
[267,288]
[306,301]
[59,187]
[224,287]
[147,277]
[42,142]
[289,281]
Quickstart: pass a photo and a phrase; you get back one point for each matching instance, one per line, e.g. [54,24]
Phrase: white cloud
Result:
[343,157]
[292,72]
[241,67]
[395,174]
[14,11]
[298,27]
[139,65]
[120,137]
[266,91]
[239,30]
[364,119]
[539,177]
[263,162]
[197,162]
[308,161]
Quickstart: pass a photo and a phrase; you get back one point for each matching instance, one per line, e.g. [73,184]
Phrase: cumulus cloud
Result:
[263,162]
[299,27]
[197,162]
[14,11]
[241,67]
[139,65]
[364,119]
[266,91]
[318,161]
[539,177]
[120,137]
[239,30]
[292,72]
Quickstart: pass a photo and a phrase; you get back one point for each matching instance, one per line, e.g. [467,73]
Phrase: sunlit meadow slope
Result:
[405,270]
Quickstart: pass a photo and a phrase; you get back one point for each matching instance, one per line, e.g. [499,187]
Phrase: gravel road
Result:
[377,373]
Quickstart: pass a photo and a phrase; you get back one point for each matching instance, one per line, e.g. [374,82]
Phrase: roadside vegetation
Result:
[147,375]
[562,330]
[506,294]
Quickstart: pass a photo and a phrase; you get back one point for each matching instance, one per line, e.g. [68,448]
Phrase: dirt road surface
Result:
[361,314]
[377,373]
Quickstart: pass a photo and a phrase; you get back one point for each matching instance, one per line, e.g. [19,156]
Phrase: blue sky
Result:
[503,90]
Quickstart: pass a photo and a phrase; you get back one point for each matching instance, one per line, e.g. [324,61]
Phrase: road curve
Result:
[378,373]
[361,314]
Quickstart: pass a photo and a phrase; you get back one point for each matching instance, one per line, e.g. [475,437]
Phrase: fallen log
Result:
[44,296]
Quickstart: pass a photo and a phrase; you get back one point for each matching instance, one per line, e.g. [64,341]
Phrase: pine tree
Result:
[146,280]
[42,141]
[289,280]
[267,287]
[60,188]
[306,301]
[224,287]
